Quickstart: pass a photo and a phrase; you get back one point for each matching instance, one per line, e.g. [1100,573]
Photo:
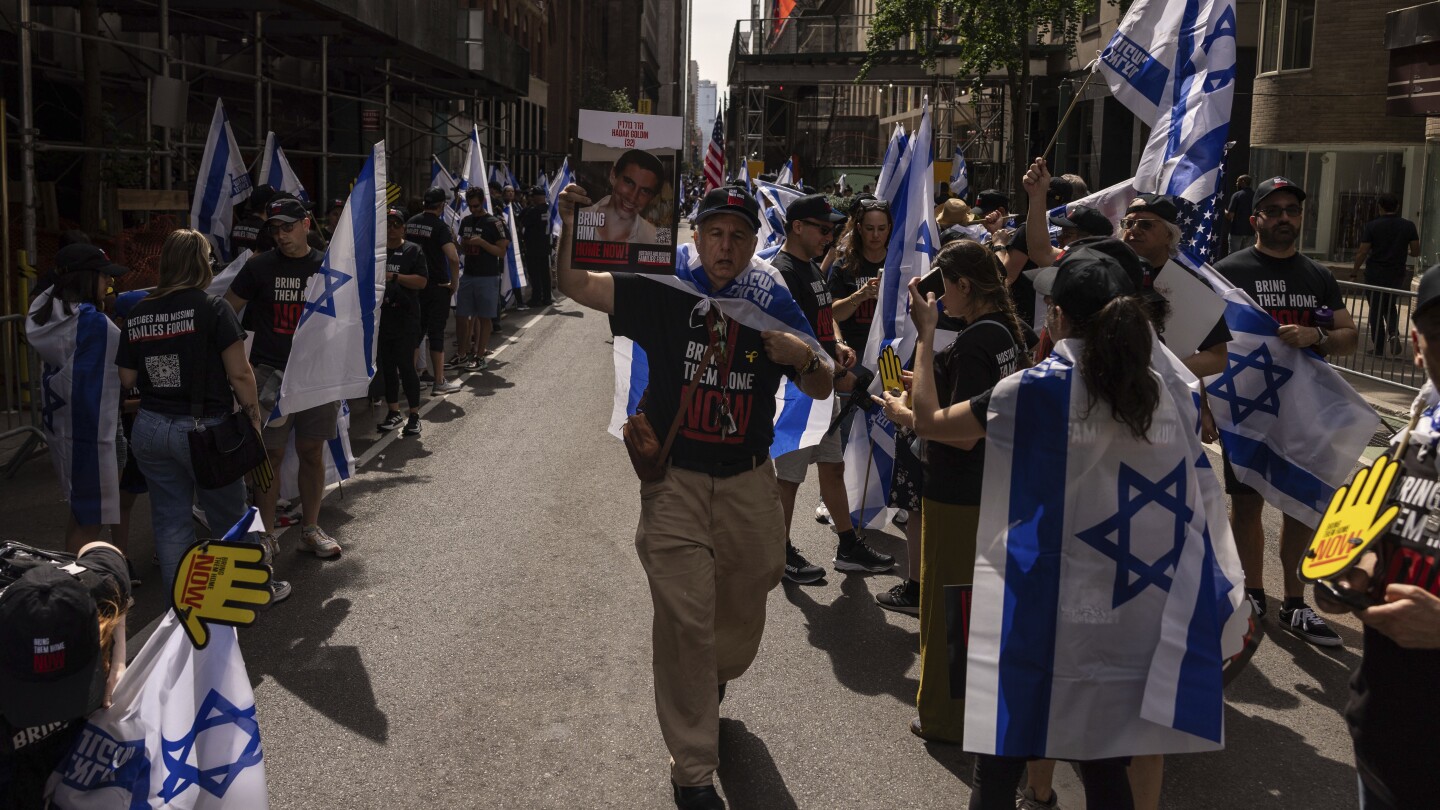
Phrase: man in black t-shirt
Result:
[484,240]
[1385,242]
[809,225]
[1293,289]
[1238,212]
[428,230]
[270,289]
[710,529]
[534,227]
[405,275]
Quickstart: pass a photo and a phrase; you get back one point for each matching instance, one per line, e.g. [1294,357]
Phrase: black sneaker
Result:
[903,598]
[412,426]
[702,797]
[456,362]
[392,420]
[798,569]
[1303,622]
[862,557]
[1257,605]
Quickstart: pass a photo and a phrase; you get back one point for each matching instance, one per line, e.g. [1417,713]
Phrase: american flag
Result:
[1198,223]
[715,156]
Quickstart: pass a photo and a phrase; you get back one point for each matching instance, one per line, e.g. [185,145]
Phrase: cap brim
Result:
[114,269]
[836,216]
[1062,222]
[739,212]
[1043,278]
[31,703]
[282,218]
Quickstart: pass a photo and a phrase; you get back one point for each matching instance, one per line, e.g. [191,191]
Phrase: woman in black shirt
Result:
[405,275]
[185,351]
[855,281]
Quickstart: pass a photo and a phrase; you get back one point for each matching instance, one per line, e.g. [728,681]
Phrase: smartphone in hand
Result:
[933,282]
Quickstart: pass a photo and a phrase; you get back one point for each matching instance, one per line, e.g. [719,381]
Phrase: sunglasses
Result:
[283,227]
[825,228]
[875,205]
[1131,224]
[1274,211]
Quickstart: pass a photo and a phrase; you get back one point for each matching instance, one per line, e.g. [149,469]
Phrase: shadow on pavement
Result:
[867,653]
[748,773]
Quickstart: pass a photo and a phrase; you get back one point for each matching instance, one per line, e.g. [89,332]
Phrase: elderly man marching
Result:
[711,531]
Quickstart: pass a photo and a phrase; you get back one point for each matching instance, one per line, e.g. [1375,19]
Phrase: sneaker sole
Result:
[798,580]
[409,433]
[1318,641]
[318,553]
[870,569]
[909,611]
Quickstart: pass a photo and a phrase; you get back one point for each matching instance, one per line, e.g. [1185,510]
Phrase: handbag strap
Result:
[204,325]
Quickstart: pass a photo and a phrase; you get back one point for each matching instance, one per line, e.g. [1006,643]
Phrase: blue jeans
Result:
[162,449]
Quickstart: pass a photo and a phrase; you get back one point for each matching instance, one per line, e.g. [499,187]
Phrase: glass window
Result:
[1270,36]
[1287,35]
[1090,17]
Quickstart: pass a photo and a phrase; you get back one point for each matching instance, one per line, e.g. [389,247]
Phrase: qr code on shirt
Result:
[163,370]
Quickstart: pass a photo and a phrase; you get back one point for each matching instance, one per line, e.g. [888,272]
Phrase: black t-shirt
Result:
[1389,237]
[845,279]
[1242,205]
[1394,710]
[488,227]
[29,755]
[401,301]
[807,285]
[274,284]
[1289,289]
[534,226]
[166,339]
[657,317]
[431,233]
[251,234]
[981,356]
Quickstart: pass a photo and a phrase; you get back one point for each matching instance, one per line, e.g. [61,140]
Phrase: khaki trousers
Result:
[947,557]
[712,549]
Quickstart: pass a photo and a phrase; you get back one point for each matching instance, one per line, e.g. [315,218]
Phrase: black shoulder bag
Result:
[220,454]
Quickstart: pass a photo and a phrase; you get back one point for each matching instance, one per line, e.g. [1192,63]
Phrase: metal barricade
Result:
[20,400]
[1382,315]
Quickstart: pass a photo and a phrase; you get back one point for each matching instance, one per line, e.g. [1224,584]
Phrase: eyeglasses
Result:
[284,227]
[1274,211]
[824,228]
[1132,224]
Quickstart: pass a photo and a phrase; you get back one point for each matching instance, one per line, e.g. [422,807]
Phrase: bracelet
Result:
[812,365]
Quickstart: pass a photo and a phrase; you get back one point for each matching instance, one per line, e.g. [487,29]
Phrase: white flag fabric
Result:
[840,185]
[440,177]
[514,279]
[181,733]
[333,354]
[275,170]
[893,165]
[1107,589]
[221,183]
[786,175]
[472,171]
[81,405]
[959,177]
[774,199]
[563,178]
[221,283]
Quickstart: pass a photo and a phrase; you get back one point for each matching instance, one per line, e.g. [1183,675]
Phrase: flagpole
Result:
[1066,117]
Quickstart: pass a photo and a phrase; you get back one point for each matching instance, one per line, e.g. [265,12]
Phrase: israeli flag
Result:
[774,199]
[563,178]
[799,420]
[440,177]
[514,278]
[181,732]
[1107,589]
[912,245]
[80,392]
[472,171]
[333,355]
[275,170]
[511,179]
[893,165]
[959,177]
[786,175]
[221,183]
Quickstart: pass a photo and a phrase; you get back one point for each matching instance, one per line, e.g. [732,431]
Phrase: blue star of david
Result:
[1268,400]
[215,712]
[53,402]
[1132,574]
[334,280]
[923,242]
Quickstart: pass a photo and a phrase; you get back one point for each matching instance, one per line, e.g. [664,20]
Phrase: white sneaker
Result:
[317,542]
[822,514]
[447,387]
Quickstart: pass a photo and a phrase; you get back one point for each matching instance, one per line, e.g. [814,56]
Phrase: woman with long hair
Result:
[989,348]
[855,279]
[185,350]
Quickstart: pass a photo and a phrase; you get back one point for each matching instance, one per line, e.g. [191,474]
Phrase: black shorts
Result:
[1233,486]
[434,313]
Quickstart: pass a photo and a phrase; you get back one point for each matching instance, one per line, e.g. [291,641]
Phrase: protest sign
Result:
[628,167]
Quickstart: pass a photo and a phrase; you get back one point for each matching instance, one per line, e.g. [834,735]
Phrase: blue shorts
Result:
[479,297]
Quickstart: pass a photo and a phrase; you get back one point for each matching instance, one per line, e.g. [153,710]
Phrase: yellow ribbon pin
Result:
[220,583]
[1352,522]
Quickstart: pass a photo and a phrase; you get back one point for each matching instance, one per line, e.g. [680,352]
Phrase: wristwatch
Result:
[1324,336]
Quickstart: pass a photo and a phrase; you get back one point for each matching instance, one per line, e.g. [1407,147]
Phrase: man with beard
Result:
[1292,288]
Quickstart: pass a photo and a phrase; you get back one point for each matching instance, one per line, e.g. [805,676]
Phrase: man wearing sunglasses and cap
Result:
[1303,297]
[710,534]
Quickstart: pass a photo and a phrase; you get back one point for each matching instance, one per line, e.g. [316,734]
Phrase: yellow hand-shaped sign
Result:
[1352,522]
[890,379]
[222,583]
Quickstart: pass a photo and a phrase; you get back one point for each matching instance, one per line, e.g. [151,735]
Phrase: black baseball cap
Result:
[730,200]
[396,212]
[1161,205]
[1061,192]
[285,209]
[336,203]
[1085,280]
[1274,184]
[79,257]
[435,195]
[812,206]
[1428,293]
[990,199]
[536,190]
[1085,219]
[50,664]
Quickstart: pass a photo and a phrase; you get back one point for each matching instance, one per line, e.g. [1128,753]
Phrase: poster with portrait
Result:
[628,168]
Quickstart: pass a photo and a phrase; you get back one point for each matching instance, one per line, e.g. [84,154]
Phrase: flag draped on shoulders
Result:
[1107,591]
[81,411]
[333,355]
[221,183]
[759,299]
[275,170]
[181,732]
